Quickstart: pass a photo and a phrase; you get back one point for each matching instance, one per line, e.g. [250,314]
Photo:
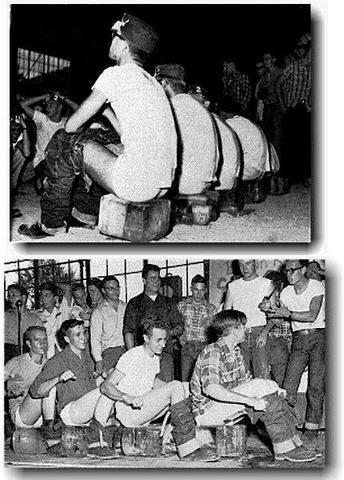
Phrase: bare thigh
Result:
[82,409]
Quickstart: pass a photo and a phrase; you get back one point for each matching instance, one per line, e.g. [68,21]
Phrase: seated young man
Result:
[20,372]
[141,396]
[222,388]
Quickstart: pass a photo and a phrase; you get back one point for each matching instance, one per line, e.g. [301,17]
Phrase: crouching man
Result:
[141,396]
[222,388]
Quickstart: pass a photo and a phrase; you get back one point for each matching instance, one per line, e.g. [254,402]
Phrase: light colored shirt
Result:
[245,296]
[148,131]
[106,328]
[301,303]
[52,322]
[45,131]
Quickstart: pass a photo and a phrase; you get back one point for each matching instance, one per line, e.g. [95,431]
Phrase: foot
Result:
[16,213]
[298,455]
[203,454]
[48,432]
[32,231]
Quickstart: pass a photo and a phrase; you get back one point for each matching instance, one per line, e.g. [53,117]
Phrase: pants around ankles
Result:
[254,356]
[278,349]
[189,354]
[308,350]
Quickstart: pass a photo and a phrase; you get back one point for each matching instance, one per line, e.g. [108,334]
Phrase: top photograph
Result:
[160,123]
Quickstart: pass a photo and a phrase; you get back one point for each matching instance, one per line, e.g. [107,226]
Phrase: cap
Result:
[170,70]
[137,32]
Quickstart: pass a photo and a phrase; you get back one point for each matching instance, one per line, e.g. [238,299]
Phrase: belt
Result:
[252,329]
[308,331]
[284,335]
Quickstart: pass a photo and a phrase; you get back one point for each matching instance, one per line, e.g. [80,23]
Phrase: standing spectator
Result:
[151,302]
[107,342]
[197,314]
[303,303]
[245,295]
[17,320]
[260,69]
[95,292]
[236,85]
[81,310]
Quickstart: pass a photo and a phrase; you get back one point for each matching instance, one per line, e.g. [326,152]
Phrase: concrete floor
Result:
[258,457]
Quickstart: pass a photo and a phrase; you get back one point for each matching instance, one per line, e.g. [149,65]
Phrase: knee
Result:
[177,388]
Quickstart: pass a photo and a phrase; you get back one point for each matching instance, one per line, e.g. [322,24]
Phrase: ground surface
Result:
[258,456]
[284,218]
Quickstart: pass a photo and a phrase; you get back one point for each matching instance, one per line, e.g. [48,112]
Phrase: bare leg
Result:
[30,410]
[48,405]
[100,164]
[82,410]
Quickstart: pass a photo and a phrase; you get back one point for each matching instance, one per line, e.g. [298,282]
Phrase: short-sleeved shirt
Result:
[22,370]
[245,296]
[28,319]
[45,131]
[83,369]
[198,144]
[216,365]
[142,305]
[106,328]
[196,317]
[301,303]
[148,131]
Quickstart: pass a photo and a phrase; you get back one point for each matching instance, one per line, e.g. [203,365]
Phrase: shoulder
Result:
[316,287]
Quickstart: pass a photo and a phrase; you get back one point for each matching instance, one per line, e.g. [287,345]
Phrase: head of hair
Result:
[28,332]
[279,279]
[149,267]
[19,288]
[78,286]
[225,321]
[68,324]
[198,279]
[50,287]
[152,321]
[109,278]
[141,57]
[96,282]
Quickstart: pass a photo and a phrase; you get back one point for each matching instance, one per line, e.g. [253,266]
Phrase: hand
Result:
[265,305]
[276,321]
[258,404]
[262,339]
[15,387]
[135,402]
[67,375]
[99,368]
[281,311]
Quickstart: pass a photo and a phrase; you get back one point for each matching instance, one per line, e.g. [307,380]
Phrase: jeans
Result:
[189,354]
[166,366]
[111,356]
[307,350]
[255,356]
[278,349]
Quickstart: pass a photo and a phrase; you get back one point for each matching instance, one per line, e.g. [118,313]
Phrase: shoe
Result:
[298,455]
[16,213]
[203,454]
[102,452]
[48,432]
[33,231]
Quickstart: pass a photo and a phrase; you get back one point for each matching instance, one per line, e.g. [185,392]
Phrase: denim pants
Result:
[189,354]
[278,349]
[307,350]
[256,358]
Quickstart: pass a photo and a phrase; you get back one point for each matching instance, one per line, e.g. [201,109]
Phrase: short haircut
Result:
[28,332]
[303,263]
[279,279]
[50,287]
[178,86]
[226,320]
[96,282]
[138,54]
[152,321]
[15,286]
[198,279]
[149,267]
[78,286]
[109,278]
[68,324]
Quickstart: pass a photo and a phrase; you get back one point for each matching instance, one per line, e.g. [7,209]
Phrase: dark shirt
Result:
[83,369]
[141,306]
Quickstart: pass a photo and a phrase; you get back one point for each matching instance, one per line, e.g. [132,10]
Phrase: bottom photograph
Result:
[164,363]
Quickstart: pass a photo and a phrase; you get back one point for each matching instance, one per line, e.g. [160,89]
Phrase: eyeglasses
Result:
[114,33]
[292,270]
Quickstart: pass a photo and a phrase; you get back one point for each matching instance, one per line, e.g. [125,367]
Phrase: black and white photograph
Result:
[180,123]
[165,362]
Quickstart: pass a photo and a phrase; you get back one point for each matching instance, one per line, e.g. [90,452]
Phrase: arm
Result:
[158,383]
[96,333]
[26,147]
[279,89]
[228,300]
[176,321]
[74,106]
[109,389]
[87,109]
[26,105]
[53,372]
[308,316]
[109,114]
[129,324]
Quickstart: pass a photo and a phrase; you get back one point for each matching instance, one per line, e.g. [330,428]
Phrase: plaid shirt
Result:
[296,81]
[216,365]
[238,88]
[196,318]
[281,331]
[266,86]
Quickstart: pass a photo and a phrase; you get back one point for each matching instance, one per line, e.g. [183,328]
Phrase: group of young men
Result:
[124,361]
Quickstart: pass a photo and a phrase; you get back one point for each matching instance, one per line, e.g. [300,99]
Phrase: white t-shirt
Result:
[197,136]
[245,296]
[148,131]
[230,155]
[139,369]
[301,303]
[254,146]
[45,130]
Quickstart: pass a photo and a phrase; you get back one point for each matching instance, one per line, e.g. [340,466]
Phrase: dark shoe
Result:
[48,431]
[33,231]
[298,455]
[102,452]
[203,454]
[16,213]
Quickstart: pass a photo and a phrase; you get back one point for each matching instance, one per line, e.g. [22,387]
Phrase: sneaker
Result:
[298,455]
[203,454]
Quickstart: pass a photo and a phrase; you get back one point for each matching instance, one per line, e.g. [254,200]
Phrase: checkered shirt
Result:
[281,331]
[238,88]
[216,365]
[196,317]
[297,84]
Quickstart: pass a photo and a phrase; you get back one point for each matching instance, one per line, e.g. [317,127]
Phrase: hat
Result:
[170,70]
[137,32]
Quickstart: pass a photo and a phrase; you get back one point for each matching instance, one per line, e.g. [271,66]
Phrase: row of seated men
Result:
[221,385]
[168,140]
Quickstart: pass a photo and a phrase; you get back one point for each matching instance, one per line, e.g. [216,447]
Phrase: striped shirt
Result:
[237,87]
[216,365]
[296,83]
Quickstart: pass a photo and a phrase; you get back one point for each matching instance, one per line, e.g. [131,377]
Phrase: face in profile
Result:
[156,341]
